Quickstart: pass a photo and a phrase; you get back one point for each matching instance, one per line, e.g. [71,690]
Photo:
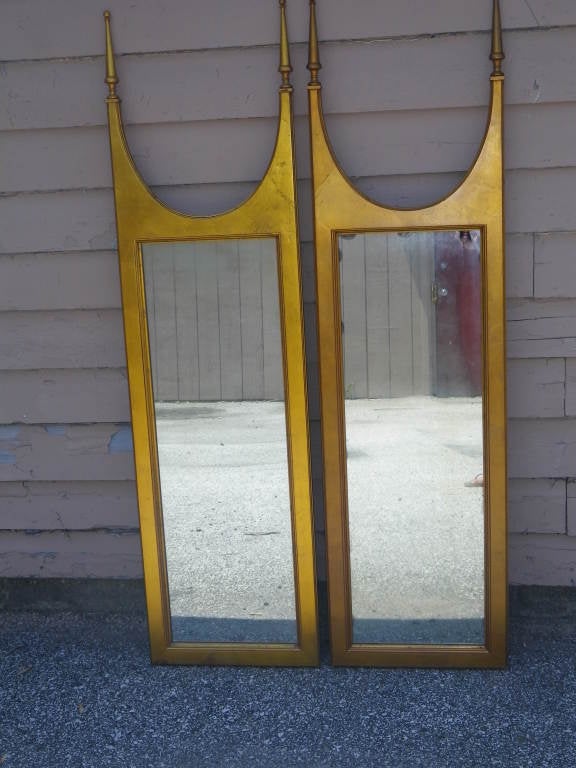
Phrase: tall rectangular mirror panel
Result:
[213,321]
[215,340]
[412,385]
[412,371]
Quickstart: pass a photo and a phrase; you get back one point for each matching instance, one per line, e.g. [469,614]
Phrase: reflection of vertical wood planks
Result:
[214,320]
[186,322]
[229,320]
[423,326]
[273,373]
[387,314]
[165,320]
[377,311]
[250,270]
[208,321]
[401,369]
[353,302]
[148,267]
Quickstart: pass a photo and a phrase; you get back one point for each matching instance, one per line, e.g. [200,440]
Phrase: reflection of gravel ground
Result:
[227,519]
[416,528]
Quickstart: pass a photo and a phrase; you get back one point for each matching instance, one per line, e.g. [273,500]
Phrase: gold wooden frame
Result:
[269,212]
[338,208]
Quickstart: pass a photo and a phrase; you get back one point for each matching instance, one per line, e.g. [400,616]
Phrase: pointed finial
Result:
[285,67]
[111,76]
[313,57]
[497,54]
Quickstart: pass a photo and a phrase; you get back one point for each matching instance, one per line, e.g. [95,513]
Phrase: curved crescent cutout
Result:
[493,125]
[341,210]
[483,171]
[123,158]
[269,214]
[124,165]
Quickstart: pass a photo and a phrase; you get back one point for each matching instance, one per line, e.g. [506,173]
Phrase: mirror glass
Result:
[412,355]
[216,359]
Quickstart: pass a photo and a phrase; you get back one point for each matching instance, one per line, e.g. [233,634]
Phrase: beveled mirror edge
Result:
[269,212]
[477,203]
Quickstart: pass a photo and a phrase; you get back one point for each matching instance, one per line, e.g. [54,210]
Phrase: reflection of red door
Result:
[457,296]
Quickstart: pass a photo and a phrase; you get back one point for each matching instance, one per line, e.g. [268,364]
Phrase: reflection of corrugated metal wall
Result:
[198,82]
[214,320]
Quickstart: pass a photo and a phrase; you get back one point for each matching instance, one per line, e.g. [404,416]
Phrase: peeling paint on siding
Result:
[121,441]
[9,433]
[55,429]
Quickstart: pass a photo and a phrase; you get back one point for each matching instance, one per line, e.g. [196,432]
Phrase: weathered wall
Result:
[406,89]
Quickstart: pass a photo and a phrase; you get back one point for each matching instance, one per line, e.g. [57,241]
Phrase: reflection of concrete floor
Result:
[225,496]
[416,528]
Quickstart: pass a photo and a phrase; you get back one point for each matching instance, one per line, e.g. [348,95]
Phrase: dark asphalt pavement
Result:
[78,690]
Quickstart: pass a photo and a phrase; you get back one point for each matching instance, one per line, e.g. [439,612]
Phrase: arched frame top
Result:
[270,212]
[339,209]
[463,203]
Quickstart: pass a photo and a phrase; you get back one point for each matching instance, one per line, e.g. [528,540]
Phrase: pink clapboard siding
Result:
[405,91]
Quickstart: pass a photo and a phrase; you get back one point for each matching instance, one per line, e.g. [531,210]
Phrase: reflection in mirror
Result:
[412,355]
[216,359]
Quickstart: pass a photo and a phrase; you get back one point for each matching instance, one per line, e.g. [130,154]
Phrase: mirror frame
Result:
[270,212]
[476,204]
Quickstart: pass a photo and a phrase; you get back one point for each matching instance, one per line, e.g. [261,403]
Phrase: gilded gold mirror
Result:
[215,349]
[412,376]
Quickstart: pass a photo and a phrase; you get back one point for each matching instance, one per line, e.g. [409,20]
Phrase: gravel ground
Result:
[79,691]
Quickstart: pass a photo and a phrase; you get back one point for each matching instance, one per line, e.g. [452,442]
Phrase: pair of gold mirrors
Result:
[412,388]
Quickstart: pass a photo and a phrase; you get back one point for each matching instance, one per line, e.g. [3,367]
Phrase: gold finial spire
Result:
[111,76]
[313,57]
[497,54]
[285,67]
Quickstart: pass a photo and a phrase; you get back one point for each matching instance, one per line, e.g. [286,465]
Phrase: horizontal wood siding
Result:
[142,28]
[81,554]
[554,272]
[84,220]
[406,95]
[66,452]
[57,396]
[61,339]
[59,92]
[571,508]
[570,387]
[537,506]
[542,559]
[52,280]
[68,505]
[536,385]
[415,141]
